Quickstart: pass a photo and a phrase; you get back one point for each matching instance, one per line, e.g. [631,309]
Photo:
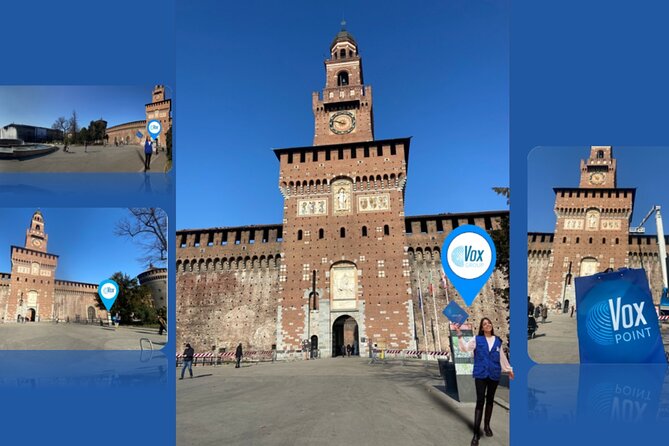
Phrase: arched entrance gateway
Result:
[345,332]
[30,315]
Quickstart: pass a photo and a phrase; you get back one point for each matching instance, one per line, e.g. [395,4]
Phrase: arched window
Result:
[600,154]
[386,230]
[578,239]
[299,234]
[342,79]
[364,231]
[38,227]
[342,53]
[321,233]
[342,232]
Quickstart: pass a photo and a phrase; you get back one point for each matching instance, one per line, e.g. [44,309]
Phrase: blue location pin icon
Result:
[468,257]
[154,128]
[108,291]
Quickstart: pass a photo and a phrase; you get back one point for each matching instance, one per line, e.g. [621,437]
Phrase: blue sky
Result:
[246,71]
[83,239]
[41,105]
[643,168]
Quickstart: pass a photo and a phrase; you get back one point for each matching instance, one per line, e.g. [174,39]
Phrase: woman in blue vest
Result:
[489,362]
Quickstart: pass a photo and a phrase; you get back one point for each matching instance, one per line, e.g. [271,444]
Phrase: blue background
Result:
[88,397]
[582,73]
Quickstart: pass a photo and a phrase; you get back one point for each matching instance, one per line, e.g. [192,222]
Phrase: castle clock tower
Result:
[36,238]
[592,226]
[343,111]
[32,289]
[344,277]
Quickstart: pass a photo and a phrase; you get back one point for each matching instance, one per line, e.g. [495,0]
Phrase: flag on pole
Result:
[420,299]
[443,278]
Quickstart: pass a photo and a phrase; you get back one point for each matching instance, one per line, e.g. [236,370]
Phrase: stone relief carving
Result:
[372,203]
[312,207]
[611,225]
[341,190]
[592,218]
[573,223]
[343,287]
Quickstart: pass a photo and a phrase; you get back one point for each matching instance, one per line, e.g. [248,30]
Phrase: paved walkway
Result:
[556,341]
[63,336]
[336,401]
[108,158]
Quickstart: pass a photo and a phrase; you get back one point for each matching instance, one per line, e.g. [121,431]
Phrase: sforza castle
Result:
[592,233]
[346,264]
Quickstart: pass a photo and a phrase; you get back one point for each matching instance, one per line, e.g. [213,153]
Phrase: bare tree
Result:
[149,227]
[63,125]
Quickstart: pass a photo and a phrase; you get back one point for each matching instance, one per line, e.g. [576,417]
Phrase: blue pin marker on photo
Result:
[154,128]
[468,257]
[108,291]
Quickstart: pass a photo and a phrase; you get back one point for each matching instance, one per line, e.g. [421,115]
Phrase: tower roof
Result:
[343,36]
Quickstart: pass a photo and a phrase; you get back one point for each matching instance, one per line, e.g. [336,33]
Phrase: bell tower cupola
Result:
[36,237]
[343,110]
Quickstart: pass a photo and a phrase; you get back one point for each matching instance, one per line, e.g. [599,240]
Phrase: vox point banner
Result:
[616,319]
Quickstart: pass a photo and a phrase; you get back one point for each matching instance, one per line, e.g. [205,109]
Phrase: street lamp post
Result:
[567,281]
[313,293]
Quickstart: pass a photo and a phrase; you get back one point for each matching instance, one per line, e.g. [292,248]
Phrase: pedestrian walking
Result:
[348,350]
[188,361]
[489,362]
[238,355]
[544,313]
[148,150]
[571,314]
[86,146]
[162,325]
[117,319]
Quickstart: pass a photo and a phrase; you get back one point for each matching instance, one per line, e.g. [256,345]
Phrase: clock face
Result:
[597,178]
[37,242]
[342,123]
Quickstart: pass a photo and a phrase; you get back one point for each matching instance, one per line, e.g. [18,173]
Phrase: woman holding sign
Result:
[489,363]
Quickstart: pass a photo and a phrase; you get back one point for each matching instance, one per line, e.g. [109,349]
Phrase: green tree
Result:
[97,130]
[83,136]
[133,301]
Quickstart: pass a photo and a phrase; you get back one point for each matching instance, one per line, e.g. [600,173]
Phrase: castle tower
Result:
[343,111]
[36,238]
[344,225]
[592,227]
[160,109]
[32,289]
[156,280]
